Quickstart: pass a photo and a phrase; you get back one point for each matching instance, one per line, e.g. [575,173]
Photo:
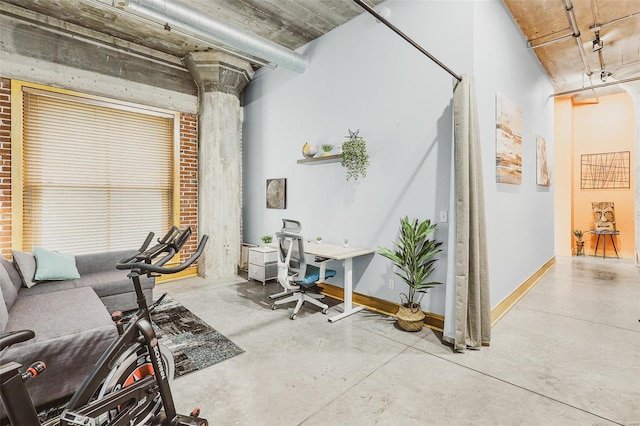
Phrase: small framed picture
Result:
[277,193]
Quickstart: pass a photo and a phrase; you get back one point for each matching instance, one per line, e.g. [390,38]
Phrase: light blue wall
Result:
[520,217]
[363,76]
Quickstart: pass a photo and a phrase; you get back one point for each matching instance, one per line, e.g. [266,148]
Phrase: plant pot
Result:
[579,248]
[410,320]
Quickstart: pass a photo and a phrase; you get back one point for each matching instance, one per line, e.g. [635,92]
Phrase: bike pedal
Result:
[181,420]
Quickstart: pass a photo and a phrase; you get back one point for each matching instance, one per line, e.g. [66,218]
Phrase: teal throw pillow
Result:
[54,266]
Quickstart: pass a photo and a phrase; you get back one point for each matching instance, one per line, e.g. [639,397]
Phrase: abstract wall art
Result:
[508,141]
[543,175]
[607,170]
[277,193]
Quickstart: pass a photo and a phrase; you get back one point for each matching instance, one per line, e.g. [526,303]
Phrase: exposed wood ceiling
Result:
[618,22]
[293,23]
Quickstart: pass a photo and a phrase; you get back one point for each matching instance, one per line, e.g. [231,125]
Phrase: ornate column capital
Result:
[219,72]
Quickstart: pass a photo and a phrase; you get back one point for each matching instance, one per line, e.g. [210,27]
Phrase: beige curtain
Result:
[472,304]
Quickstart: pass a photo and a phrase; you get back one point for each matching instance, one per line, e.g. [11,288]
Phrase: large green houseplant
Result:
[413,255]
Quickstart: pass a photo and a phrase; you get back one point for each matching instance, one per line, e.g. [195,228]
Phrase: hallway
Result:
[567,354]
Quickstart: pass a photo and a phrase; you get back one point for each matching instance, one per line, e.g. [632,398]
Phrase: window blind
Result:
[96,177]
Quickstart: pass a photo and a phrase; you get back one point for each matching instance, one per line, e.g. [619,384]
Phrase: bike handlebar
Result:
[167,246]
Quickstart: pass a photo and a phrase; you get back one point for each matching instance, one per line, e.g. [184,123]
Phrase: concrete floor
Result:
[567,354]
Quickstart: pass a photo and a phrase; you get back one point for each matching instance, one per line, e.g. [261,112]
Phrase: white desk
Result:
[338,252]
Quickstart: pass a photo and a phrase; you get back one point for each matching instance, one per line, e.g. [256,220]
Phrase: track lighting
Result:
[597,44]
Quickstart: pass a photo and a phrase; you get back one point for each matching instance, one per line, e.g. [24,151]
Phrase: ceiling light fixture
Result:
[597,44]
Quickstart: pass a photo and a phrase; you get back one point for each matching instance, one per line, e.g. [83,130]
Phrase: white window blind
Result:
[96,176]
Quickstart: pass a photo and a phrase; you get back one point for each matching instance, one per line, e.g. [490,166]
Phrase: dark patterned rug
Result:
[194,344]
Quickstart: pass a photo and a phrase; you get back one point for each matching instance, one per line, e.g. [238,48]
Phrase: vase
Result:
[410,319]
[309,151]
[579,248]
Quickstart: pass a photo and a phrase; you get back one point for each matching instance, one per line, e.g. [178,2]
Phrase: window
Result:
[96,175]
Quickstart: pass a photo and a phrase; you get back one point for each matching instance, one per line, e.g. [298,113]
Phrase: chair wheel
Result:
[292,316]
[274,306]
[324,311]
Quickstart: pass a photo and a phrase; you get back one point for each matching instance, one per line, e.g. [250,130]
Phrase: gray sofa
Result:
[71,320]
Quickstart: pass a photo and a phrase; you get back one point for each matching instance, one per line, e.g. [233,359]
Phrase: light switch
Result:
[443,216]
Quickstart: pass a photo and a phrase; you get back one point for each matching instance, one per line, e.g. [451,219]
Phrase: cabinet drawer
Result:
[271,256]
[270,271]
[256,272]
[262,256]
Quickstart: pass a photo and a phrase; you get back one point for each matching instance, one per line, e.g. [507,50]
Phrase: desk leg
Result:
[348,293]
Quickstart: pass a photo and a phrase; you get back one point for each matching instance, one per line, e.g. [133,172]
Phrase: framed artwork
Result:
[277,193]
[607,170]
[543,175]
[508,141]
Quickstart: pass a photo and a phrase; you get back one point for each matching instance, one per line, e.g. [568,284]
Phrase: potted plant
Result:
[354,156]
[266,239]
[326,149]
[579,243]
[319,240]
[413,254]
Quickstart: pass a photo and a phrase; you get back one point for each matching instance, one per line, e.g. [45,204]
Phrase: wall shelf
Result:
[321,159]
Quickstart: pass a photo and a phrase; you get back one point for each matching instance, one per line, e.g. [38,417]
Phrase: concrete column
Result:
[220,79]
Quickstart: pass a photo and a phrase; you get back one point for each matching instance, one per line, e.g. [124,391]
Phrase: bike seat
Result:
[13,337]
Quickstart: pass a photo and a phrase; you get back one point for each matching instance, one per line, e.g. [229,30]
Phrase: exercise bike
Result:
[130,382]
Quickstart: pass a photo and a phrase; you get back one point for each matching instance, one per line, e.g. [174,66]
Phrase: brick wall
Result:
[5,167]
[188,172]
[189,177]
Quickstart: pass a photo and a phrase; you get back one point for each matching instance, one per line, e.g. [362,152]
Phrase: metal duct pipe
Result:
[189,20]
[576,34]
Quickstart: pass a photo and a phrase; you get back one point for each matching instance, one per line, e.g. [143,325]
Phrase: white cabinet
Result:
[263,264]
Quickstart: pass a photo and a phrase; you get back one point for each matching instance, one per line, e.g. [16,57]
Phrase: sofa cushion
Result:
[7,288]
[26,265]
[53,265]
[4,315]
[100,261]
[77,330]
[104,283]
[16,279]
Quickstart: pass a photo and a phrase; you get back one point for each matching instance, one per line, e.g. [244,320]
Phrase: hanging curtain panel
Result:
[96,176]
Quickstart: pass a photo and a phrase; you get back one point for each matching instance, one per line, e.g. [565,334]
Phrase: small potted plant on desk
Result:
[413,255]
[579,243]
[266,239]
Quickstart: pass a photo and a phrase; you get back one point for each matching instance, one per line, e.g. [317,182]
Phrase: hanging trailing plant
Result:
[354,156]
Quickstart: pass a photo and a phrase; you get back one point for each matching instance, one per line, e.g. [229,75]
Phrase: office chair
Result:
[294,275]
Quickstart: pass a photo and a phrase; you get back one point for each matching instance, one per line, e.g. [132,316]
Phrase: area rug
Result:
[194,344]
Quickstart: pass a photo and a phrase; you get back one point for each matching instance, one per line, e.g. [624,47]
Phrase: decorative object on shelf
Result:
[346,242]
[326,149]
[508,141]
[319,240]
[266,239]
[579,243]
[413,255]
[309,151]
[338,149]
[277,193]
[354,156]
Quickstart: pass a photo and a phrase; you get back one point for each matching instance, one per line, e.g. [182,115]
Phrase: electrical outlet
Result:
[443,216]
[392,284]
